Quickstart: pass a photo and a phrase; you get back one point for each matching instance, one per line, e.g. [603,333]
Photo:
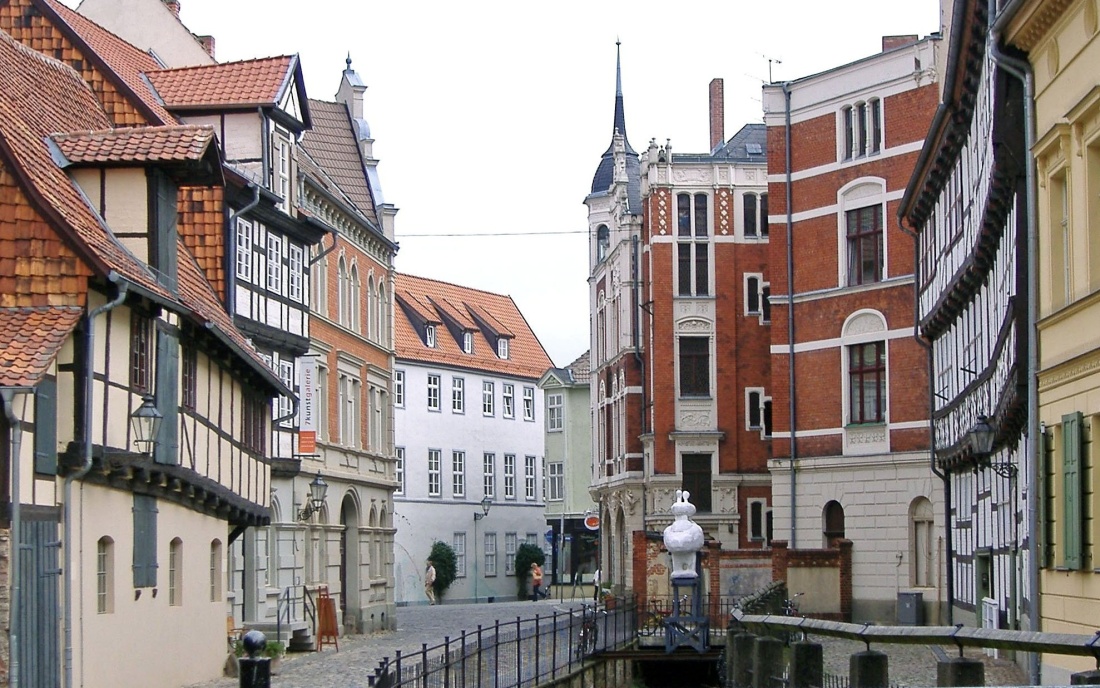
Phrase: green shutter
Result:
[145,541]
[45,427]
[162,227]
[1072,522]
[168,397]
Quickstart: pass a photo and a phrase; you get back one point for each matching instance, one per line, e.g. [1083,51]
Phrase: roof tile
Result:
[248,82]
[30,339]
[138,145]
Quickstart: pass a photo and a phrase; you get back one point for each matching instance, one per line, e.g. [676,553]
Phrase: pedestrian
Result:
[536,581]
[596,587]
[429,582]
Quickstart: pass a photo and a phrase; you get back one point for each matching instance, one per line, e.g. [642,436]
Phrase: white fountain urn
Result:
[684,537]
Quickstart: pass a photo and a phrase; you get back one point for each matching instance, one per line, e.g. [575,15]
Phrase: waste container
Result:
[910,609]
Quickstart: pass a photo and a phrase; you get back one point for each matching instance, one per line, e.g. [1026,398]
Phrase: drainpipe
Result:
[85,466]
[324,252]
[231,254]
[16,425]
[1022,71]
[790,306]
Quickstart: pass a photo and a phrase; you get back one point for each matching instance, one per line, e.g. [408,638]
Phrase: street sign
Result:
[592,522]
[550,536]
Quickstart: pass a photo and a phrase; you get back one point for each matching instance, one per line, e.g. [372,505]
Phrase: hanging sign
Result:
[307,405]
[592,521]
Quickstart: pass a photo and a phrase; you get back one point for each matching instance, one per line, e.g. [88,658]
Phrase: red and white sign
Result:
[592,522]
[307,406]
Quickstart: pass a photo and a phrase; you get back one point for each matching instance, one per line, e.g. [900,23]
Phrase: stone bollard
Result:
[767,661]
[869,669]
[807,665]
[960,671]
[739,664]
[1085,678]
[253,671]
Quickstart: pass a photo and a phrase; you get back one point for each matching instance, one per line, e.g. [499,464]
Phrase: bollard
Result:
[739,665]
[807,665]
[960,671]
[1085,678]
[869,669]
[767,661]
[253,671]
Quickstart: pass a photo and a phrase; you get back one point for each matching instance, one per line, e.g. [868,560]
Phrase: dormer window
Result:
[502,348]
[603,243]
[429,336]
[282,171]
[467,342]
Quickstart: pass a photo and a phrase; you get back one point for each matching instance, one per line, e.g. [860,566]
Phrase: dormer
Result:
[421,316]
[458,323]
[131,178]
[498,336]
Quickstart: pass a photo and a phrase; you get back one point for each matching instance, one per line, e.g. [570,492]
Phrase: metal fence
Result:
[512,654]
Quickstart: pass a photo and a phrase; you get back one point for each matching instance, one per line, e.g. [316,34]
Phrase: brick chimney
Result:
[173,6]
[207,43]
[717,114]
[892,42]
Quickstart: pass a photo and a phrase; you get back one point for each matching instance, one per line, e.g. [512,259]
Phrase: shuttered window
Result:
[45,427]
[168,397]
[145,541]
[1072,521]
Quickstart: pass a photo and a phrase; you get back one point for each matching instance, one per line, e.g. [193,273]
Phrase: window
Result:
[429,336]
[765,302]
[556,473]
[861,128]
[458,395]
[864,245]
[876,126]
[510,545]
[694,366]
[399,469]
[528,403]
[752,294]
[867,383]
[244,250]
[343,294]
[508,400]
[399,388]
[350,415]
[1073,510]
[467,342]
[693,246]
[175,572]
[532,539]
[254,414]
[458,474]
[490,550]
[862,124]
[509,476]
[502,348]
[145,541]
[216,571]
[758,512]
[833,516]
[286,374]
[322,402]
[1061,241]
[764,215]
[529,478]
[318,279]
[554,412]
[274,263]
[487,396]
[141,352]
[921,539]
[754,408]
[354,303]
[849,133]
[696,476]
[282,173]
[489,462]
[434,473]
[190,378]
[767,417]
[603,243]
[459,544]
[294,273]
[751,225]
[105,575]
[433,392]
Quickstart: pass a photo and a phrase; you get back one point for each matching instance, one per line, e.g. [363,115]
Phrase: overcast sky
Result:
[490,117]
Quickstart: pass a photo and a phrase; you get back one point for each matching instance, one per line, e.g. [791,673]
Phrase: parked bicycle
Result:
[790,608]
[589,631]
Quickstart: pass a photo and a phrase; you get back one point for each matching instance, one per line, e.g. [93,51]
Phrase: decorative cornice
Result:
[1035,21]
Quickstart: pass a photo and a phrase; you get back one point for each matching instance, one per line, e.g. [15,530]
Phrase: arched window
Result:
[833,518]
[603,242]
[105,575]
[356,305]
[216,571]
[175,572]
[318,294]
[342,292]
[921,547]
[383,315]
[372,307]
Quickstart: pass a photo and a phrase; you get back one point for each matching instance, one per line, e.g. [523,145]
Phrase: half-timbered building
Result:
[121,528]
[966,204]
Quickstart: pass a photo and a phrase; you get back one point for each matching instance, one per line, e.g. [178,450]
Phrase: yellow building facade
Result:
[1060,38]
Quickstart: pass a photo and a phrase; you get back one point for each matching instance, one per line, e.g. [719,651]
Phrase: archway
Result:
[349,560]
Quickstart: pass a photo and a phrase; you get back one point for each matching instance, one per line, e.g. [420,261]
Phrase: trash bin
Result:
[910,608]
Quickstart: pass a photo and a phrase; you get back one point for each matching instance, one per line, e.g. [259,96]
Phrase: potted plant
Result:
[273,650]
[609,600]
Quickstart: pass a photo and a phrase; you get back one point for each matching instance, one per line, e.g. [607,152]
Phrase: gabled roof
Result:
[261,82]
[748,145]
[526,358]
[30,339]
[575,374]
[332,145]
[135,145]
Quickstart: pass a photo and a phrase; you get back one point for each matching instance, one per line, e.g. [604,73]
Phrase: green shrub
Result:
[273,649]
[443,558]
[526,555]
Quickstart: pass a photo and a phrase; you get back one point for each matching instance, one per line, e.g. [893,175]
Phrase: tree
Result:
[526,555]
[443,559]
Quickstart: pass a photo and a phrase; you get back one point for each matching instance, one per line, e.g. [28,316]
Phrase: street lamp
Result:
[486,503]
[981,438]
[145,421]
[318,488]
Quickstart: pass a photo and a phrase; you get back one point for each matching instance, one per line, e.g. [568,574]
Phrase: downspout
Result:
[325,251]
[16,425]
[790,307]
[231,254]
[927,346]
[85,466]
[1022,71]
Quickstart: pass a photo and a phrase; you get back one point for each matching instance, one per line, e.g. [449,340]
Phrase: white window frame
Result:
[175,572]
[555,412]
[350,409]
[458,395]
[459,546]
[488,396]
[274,263]
[399,388]
[529,478]
[502,348]
[244,250]
[489,477]
[508,400]
[509,476]
[511,544]
[435,477]
[754,398]
[434,382]
[752,287]
[529,404]
[467,342]
[429,336]
[286,374]
[458,473]
[282,171]
[105,575]
[758,529]
[399,469]
[555,473]
[294,282]
[490,550]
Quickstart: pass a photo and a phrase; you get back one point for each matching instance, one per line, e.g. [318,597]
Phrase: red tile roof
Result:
[526,358]
[30,339]
[245,83]
[137,145]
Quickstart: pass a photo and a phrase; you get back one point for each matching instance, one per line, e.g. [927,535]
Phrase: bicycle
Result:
[653,619]
[588,633]
[790,608]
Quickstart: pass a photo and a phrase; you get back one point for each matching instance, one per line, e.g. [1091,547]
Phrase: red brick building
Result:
[841,147]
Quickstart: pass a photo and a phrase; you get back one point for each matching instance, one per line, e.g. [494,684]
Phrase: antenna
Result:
[771,61]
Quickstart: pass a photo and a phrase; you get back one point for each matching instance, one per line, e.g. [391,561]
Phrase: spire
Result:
[620,116]
[606,175]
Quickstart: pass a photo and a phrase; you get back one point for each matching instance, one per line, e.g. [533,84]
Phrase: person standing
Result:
[429,582]
[536,581]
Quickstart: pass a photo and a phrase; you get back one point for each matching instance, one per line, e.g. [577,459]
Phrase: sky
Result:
[490,117]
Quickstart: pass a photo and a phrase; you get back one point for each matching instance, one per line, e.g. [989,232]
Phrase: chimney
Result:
[717,114]
[173,6]
[207,43]
[893,42]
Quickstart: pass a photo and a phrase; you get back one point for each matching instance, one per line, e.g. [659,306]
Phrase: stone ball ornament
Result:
[254,643]
[684,537]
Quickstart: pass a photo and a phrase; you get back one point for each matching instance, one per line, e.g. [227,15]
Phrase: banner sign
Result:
[307,405]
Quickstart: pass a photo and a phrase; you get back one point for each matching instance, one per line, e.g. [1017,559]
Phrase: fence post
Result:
[767,656]
[869,669]
[496,657]
[519,654]
[463,661]
[480,651]
[424,662]
[960,671]
[554,647]
[397,680]
[739,663]
[807,665]
[538,648]
[446,661]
